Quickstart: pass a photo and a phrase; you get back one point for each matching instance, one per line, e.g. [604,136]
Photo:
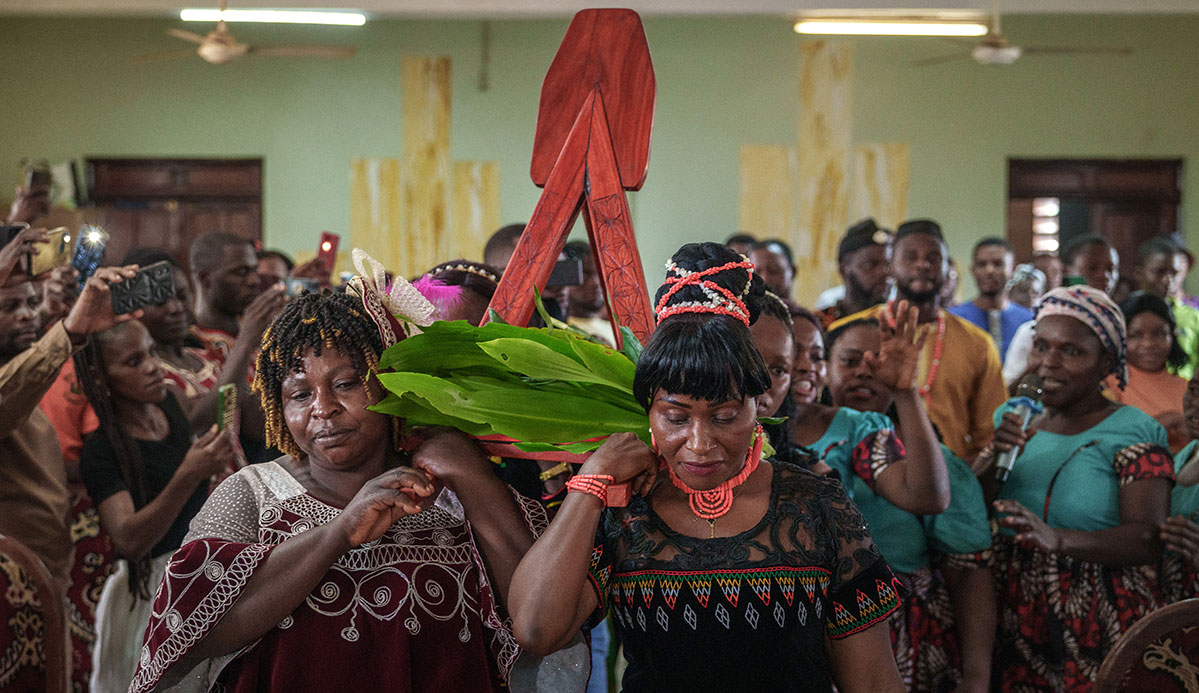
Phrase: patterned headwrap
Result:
[720,300]
[1094,309]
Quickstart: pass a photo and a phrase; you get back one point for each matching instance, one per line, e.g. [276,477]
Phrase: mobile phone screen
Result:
[327,249]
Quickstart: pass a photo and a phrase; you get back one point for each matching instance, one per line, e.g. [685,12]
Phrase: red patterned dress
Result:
[750,611]
[1060,616]
[410,611]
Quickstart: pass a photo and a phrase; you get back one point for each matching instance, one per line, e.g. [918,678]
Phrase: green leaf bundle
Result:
[550,389]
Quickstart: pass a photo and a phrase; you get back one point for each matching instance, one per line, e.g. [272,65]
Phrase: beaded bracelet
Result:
[594,484]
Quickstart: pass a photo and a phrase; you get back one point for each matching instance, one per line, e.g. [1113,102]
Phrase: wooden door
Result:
[1125,201]
[167,203]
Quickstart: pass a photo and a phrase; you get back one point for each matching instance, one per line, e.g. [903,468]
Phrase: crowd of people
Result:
[829,499]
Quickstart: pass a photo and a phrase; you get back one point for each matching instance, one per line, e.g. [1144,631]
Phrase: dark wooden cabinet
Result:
[167,203]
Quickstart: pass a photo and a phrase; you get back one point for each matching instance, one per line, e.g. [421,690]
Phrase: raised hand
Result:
[383,500]
[209,455]
[315,269]
[449,456]
[898,359]
[261,312]
[17,248]
[29,204]
[625,458]
[1030,530]
[92,312]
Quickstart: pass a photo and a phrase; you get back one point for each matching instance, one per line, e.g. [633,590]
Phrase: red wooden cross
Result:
[591,144]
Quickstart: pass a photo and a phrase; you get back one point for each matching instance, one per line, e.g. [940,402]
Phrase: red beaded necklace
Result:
[935,364]
[715,503]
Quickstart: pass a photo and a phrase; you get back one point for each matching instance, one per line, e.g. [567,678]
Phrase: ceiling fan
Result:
[994,48]
[219,46]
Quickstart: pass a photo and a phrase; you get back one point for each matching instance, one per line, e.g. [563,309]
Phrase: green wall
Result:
[68,90]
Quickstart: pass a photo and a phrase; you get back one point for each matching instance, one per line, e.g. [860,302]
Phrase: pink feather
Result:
[444,296]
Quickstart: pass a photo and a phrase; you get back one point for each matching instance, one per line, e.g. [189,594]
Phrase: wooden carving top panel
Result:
[603,50]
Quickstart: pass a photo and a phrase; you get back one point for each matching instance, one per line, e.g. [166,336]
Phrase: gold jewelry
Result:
[560,468]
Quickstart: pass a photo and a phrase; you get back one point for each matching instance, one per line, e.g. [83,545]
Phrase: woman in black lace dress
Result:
[725,571]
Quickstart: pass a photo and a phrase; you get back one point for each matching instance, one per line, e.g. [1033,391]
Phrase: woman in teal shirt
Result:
[864,444]
[942,636]
[1078,553]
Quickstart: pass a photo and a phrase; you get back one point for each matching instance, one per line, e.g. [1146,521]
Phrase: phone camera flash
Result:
[326,246]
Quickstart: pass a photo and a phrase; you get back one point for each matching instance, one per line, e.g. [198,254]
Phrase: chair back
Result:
[1159,653]
[33,628]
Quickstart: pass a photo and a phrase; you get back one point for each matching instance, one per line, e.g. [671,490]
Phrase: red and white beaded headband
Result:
[720,301]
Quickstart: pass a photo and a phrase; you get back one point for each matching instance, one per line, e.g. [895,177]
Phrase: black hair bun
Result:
[697,257]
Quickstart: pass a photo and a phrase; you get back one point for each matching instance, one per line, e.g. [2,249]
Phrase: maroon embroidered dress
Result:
[748,612]
[410,611]
[1060,616]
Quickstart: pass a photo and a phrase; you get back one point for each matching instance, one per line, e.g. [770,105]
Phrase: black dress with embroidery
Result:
[747,612]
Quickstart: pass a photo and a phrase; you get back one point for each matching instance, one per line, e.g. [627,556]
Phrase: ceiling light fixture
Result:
[865,27]
[275,16]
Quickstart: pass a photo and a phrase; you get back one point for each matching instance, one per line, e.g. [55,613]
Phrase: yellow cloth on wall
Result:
[969,383]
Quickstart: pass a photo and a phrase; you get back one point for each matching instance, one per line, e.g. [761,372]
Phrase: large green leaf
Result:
[450,339]
[631,346]
[574,448]
[610,366]
[526,415]
[537,361]
[531,416]
[417,412]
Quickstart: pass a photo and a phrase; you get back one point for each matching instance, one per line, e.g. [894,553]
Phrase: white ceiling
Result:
[553,8]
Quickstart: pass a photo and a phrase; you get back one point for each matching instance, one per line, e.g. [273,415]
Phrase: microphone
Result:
[1026,403]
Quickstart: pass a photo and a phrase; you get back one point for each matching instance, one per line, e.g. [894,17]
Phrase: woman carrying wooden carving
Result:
[346,560]
[726,571]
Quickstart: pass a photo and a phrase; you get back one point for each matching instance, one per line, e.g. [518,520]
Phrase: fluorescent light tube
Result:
[888,28]
[275,16]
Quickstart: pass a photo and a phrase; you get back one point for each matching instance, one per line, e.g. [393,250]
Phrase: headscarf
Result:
[1097,311]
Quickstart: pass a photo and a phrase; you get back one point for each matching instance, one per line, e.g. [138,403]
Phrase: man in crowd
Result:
[224,270]
[273,267]
[741,242]
[863,260]
[588,310]
[1161,267]
[34,494]
[959,373]
[991,266]
[773,262]
[501,245]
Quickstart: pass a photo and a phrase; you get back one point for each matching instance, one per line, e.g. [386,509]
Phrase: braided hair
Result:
[313,322]
[92,374]
[708,356]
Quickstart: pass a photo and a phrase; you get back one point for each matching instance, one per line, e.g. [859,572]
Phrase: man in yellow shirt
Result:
[960,376]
